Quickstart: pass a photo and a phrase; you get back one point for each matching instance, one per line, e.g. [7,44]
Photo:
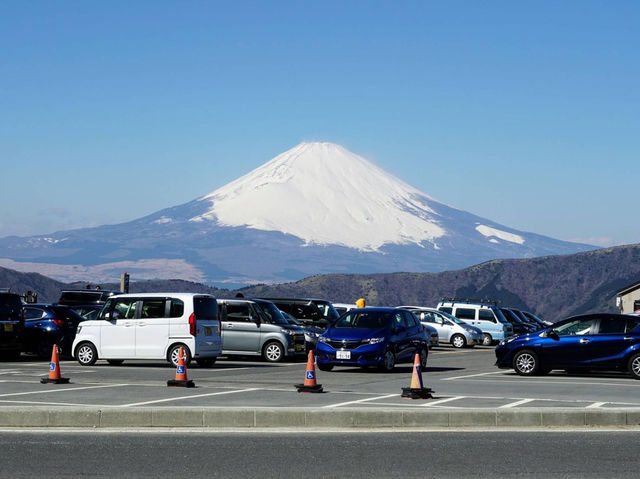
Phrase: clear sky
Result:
[526,113]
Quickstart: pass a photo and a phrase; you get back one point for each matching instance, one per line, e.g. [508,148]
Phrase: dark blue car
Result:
[580,343]
[378,337]
[49,324]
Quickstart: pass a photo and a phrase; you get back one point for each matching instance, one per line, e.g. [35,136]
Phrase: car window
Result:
[177,308]
[410,319]
[577,327]
[429,317]
[153,308]
[238,312]
[486,315]
[205,307]
[465,313]
[33,313]
[125,308]
[616,325]
[632,324]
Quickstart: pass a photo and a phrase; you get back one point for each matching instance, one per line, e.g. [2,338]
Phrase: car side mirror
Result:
[553,334]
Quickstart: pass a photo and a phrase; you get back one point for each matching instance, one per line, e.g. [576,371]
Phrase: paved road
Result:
[461,379]
[593,454]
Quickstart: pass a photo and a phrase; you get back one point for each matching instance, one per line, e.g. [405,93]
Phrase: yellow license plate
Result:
[298,347]
[8,328]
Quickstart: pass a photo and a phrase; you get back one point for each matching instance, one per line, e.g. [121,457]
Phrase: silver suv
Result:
[256,327]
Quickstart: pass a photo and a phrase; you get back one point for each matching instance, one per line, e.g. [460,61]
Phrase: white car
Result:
[151,326]
[450,329]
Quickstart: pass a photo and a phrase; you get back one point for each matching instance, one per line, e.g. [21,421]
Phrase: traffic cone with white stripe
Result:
[417,389]
[181,380]
[54,370]
[309,385]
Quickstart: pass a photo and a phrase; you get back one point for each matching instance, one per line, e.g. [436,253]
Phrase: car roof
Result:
[158,295]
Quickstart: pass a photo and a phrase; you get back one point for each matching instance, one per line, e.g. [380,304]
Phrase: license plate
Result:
[208,331]
[8,328]
[299,347]
[343,354]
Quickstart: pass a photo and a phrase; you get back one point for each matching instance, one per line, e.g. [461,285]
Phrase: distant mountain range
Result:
[553,287]
[317,208]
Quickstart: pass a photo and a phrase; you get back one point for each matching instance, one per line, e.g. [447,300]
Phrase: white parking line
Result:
[189,397]
[441,401]
[595,405]
[360,400]
[516,403]
[472,375]
[49,391]
[49,403]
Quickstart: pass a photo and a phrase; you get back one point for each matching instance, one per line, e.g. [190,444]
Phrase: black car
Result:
[312,312]
[49,324]
[75,297]
[519,326]
[11,325]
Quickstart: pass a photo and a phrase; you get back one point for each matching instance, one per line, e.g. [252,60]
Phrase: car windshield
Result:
[500,316]
[451,317]
[271,312]
[364,320]
[327,310]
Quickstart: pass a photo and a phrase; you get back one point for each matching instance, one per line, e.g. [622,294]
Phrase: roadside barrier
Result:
[54,370]
[417,389]
[181,380]
[309,385]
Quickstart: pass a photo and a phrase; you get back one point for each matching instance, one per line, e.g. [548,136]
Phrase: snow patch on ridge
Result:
[495,233]
[325,194]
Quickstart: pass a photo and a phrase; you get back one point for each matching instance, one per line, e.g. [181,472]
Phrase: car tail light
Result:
[59,322]
[192,324]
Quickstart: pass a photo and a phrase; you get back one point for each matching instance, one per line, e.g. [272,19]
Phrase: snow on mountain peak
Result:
[325,194]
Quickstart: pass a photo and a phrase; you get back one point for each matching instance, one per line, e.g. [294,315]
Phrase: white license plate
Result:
[343,354]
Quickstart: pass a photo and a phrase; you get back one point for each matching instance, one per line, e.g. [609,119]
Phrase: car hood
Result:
[351,334]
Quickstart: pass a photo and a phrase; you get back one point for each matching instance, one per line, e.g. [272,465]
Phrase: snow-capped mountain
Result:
[317,208]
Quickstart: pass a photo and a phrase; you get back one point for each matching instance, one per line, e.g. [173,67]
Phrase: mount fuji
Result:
[316,208]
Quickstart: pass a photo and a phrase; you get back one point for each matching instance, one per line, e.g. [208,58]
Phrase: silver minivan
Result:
[256,327]
[450,329]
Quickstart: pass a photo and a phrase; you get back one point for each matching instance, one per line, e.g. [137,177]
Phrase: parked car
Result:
[75,297]
[312,312]
[519,326]
[580,343]
[88,311]
[523,317]
[311,333]
[342,308]
[49,324]
[450,329]
[378,337]
[432,334]
[484,315]
[152,326]
[256,327]
[11,325]
[535,319]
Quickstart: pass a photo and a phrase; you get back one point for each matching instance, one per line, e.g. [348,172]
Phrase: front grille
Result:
[344,344]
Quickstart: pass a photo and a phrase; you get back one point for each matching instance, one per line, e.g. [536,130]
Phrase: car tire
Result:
[174,352]
[424,357]
[458,341]
[634,366]
[388,361]
[487,340]
[115,362]
[206,362]
[526,363]
[325,367]
[86,354]
[273,352]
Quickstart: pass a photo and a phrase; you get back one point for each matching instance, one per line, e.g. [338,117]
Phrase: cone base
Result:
[309,389]
[417,393]
[181,383]
[54,381]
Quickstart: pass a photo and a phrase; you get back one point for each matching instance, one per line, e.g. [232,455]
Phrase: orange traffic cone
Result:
[309,385]
[54,370]
[417,389]
[181,374]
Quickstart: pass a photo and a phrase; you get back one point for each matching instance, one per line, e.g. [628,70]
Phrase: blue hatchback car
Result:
[580,343]
[378,337]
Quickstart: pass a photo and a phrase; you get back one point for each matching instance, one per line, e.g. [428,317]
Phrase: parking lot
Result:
[460,379]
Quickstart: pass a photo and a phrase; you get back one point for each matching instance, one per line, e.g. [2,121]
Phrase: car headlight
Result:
[507,341]
[323,339]
[372,340]
[469,330]
[290,332]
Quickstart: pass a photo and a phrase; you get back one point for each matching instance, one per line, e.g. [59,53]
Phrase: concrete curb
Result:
[313,418]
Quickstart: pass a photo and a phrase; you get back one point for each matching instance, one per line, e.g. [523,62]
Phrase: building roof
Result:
[629,289]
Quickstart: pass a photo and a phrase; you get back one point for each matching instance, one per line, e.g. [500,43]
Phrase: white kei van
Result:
[151,326]
[485,316]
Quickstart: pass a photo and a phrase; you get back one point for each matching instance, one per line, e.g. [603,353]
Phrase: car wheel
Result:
[634,365]
[115,362]
[86,354]
[206,362]
[424,357]
[388,361]
[273,352]
[174,354]
[487,340]
[458,341]
[44,349]
[325,367]
[526,363]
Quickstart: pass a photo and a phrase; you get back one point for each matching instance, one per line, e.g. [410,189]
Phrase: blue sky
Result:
[525,113]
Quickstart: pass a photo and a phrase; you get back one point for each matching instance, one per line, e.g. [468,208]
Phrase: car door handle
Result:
[585,341]
[627,338]
[229,325]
